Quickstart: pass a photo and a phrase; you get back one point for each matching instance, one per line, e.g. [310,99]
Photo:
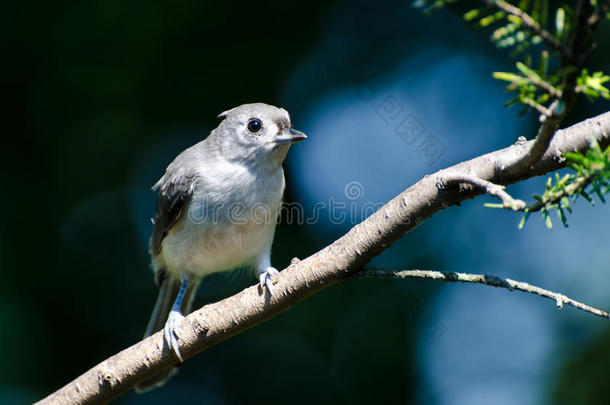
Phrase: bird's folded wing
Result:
[175,193]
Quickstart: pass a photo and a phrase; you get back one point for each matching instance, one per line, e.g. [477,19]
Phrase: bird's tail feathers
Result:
[168,290]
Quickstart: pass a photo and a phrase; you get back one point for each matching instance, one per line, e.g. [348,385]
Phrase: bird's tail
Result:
[168,290]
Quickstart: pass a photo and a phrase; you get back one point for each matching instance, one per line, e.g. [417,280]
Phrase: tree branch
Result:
[542,110]
[575,55]
[216,322]
[490,188]
[579,185]
[450,276]
[551,120]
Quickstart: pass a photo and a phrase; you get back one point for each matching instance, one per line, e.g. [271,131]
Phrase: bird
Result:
[217,208]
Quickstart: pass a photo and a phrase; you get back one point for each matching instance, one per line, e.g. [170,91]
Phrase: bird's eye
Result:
[254,125]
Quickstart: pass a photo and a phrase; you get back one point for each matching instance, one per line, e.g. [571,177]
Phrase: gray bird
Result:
[217,209]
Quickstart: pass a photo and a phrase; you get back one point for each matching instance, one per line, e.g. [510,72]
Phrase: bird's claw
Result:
[170,332]
[266,278]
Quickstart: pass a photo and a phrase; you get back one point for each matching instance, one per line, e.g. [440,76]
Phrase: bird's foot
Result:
[266,278]
[170,332]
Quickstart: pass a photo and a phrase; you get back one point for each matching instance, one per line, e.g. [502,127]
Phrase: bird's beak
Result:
[289,135]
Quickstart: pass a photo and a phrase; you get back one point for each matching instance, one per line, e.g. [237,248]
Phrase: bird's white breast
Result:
[230,221]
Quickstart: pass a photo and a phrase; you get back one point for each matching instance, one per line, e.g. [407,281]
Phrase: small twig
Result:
[530,23]
[490,188]
[574,54]
[546,86]
[571,189]
[598,15]
[580,88]
[547,113]
[551,119]
[577,185]
[494,281]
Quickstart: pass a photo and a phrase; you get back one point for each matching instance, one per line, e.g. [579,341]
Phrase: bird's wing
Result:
[175,193]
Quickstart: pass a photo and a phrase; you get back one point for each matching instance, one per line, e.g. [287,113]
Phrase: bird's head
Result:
[256,133]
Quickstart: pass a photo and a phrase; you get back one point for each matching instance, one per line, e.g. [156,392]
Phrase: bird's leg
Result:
[173,320]
[265,271]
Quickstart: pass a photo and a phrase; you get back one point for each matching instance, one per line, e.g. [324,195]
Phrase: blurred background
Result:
[102,95]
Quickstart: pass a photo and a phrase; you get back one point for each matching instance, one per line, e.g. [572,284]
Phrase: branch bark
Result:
[490,188]
[485,279]
[216,322]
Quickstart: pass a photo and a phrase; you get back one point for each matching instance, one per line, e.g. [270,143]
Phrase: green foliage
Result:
[592,86]
[534,87]
[548,29]
[525,26]
[509,30]
[590,175]
[428,6]
[537,87]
